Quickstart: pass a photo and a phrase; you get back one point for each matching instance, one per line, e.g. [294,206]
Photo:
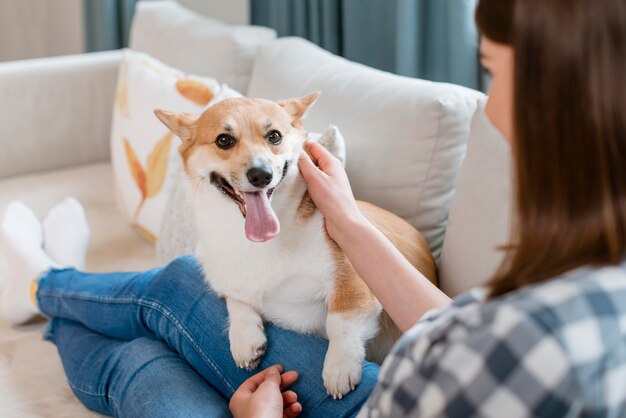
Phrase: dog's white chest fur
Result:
[288,280]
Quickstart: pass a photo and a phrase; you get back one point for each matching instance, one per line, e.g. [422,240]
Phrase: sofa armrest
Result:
[56,112]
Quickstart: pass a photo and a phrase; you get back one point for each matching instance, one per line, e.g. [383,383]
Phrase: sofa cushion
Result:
[405,137]
[196,44]
[68,98]
[142,148]
[480,217]
[32,381]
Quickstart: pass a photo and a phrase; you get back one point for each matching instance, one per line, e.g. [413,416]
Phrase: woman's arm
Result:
[403,291]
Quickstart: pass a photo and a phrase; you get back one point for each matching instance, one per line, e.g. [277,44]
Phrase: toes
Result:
[18,213]
[248,347]
[69,208]
[342,378]
[254,361]
[260,351]
[74,207]
[258,355]
[21,220]
[73,203]
[68,215]
[253,364]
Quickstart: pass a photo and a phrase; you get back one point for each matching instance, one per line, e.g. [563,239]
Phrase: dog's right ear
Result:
[182,124]
[298,107]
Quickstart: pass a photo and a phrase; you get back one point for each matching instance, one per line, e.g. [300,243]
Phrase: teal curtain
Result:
[431,39]
[107,23]
[320,21]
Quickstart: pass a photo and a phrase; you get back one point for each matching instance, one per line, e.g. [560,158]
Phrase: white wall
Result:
[235,12]
[40,28]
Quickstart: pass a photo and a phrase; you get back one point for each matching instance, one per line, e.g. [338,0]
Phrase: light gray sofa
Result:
[54,135]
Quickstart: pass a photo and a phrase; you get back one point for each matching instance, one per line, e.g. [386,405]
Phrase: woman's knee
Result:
[183,276]
[182,271]
[185,264]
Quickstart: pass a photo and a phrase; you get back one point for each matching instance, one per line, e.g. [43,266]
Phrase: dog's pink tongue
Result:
[261,222]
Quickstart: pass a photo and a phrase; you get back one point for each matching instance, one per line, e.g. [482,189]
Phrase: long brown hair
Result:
[569,134]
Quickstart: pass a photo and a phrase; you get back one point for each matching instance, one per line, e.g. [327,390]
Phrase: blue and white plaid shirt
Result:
[556,349]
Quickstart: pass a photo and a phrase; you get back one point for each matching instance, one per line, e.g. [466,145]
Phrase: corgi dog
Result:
[262,242]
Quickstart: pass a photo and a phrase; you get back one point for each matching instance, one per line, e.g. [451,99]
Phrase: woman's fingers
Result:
[309,171]
[291,406]
[305,164]
[292,410]
[288,379]
[320,155]
[289,397]
[253,382]
[272,375]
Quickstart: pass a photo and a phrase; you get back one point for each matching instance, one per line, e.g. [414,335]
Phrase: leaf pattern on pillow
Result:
[136,169]
[195,91]
[149,181]
[157,164]
[145,233]
[121,91]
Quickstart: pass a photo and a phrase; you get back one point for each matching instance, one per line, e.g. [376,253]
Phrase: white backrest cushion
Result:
[196,44]
[56,111]
[480,217]
[405,137]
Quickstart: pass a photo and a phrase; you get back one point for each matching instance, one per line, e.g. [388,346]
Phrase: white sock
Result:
[21,237]
[66,234]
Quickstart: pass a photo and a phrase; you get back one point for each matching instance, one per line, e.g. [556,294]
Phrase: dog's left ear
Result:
[182,124]
[298,107]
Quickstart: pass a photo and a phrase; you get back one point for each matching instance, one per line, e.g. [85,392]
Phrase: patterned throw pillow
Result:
[142,148]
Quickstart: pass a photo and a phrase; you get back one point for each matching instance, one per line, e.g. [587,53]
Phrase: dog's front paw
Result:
[342,372]
[247,345]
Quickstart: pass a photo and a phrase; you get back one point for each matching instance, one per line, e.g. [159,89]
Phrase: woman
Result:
[546,337]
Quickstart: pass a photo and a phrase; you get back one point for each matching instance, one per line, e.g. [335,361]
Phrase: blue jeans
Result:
[117,334]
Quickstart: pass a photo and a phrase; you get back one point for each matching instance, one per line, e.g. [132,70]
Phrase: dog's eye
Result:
[225,141]
[274,137]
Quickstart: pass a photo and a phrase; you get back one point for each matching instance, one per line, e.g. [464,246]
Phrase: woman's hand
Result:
[403,291]
[262,396]
[329,188]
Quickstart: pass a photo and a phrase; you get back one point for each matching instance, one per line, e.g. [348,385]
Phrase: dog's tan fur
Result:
[404,237]
[352,294]
[307,207]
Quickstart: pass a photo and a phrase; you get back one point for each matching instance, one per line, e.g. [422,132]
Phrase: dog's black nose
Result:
[260,176]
